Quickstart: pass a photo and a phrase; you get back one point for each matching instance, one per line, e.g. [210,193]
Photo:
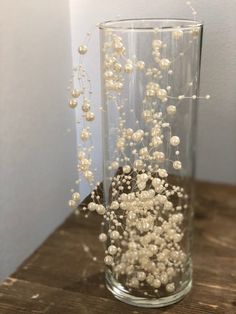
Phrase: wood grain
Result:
[60,277]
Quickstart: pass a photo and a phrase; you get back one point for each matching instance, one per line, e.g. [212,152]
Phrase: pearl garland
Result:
[145,231]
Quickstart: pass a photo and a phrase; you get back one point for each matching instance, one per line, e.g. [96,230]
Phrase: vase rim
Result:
[150,24]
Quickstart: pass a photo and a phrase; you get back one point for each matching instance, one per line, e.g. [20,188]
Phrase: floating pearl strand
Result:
[145,230]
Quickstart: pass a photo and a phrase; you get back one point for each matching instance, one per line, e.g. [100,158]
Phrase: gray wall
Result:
[37,155]
[217,118]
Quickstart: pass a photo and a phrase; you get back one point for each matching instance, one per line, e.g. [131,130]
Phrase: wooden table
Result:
[61,277]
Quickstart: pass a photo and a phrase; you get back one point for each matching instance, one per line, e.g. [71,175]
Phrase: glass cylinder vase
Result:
[150,77]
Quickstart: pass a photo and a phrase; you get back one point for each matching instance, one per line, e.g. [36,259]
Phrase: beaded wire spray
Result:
[154,255]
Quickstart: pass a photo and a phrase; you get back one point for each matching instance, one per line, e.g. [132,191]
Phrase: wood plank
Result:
[68,280]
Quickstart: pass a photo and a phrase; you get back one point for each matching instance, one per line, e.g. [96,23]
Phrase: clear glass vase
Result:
[150,78]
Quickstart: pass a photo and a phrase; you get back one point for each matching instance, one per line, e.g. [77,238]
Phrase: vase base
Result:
[119,293]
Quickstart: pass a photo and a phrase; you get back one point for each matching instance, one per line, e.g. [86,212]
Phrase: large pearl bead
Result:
[84,135]
[108,260]
[177,165]
[164,64]
[138,164]
[75,93]
[86,106]
[73,103]
[128,68]
[102,237]
[140,65]
[156,44]
[171,110]
[76,196]
[72,204]
[100,209]
[90,116]
[177,34]
[112,249]
[82,49]
[174,141]
[92,206]
[126,169]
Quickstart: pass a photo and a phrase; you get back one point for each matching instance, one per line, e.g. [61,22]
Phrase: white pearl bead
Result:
[114,205]
[92,206]
[162,173]
[170,287]
[72,204]
[126,169]
[177,165]
[157,43]
[156,182]
[141,276]
[208,96]
[88,175]
[75,93]
[138,164]
[73,103]
[112,249]
[174,141]
[156,283]
[102,237]
[86,106]
[159,156]
[177,34]
[115,165]
[90,116]
[140,65]
[128,68]
[108,260]
[164,64]
[115,235]
[82,49]
[84,134]
[100,209]
[76,196]
[171,110]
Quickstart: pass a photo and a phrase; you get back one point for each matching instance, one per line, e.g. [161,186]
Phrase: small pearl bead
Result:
[82,49]
[174,141]
[208,96]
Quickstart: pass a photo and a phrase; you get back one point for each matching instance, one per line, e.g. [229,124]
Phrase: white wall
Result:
[217,117]
[37,154]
